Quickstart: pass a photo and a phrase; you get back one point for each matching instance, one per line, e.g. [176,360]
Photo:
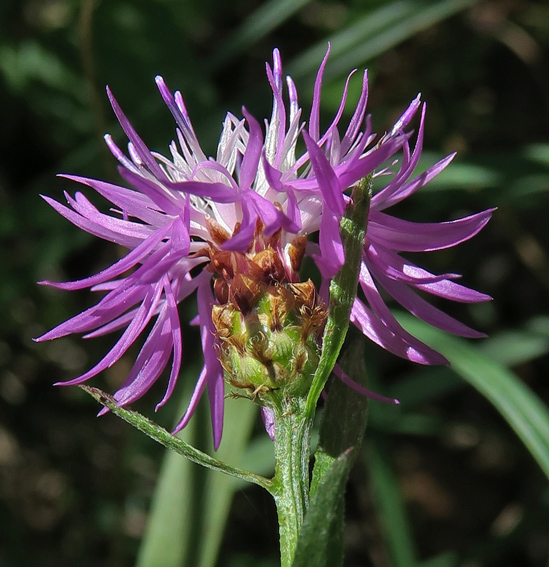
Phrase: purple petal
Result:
[359,167]
[332,254]
[376,331]
[268,421]
[193,404]
[332,129]
[142,150]
[241,241]
[384,314]
[218,192]
[134,329]
[408,165]
[400,235]
[272,175]
[214,370]
[382,200]
[128,238]
[83,206]
[150,363]
[114,325]
[347,380]
[110,307]
[293,213]
[179,114]
[395,267]
[252,155]
[119,267]
[453,291]
[407,116]
[357,118]
[118,153]
[400,269]
[185,287]
[272,218]
[132,202]
[165,200]
[216,395]
[314,120]
[176,340]
[327,180]
[422,309]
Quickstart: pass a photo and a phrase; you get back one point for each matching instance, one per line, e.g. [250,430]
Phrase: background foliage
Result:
[444,480]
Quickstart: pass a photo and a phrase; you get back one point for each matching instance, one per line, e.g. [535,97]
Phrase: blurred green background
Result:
[444,480]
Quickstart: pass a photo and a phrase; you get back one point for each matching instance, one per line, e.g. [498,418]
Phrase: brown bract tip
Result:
[296,251]
[217,232]
[270,266]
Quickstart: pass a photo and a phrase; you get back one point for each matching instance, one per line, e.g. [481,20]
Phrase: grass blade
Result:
[390,506]
[522,409]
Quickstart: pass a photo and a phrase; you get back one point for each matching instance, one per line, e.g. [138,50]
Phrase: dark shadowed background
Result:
[444,480]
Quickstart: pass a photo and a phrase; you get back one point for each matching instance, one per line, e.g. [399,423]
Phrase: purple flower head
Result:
[211,225]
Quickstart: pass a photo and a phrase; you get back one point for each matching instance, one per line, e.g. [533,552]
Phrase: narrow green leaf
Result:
[522,409]
[344,416]
[172,442]
[351,35]
[343,287]
[341,429]
[315,545]
[390,506]
[515,347]
[508,348]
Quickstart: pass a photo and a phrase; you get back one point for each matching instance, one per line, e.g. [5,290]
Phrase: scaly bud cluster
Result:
[275,345]
[268,328]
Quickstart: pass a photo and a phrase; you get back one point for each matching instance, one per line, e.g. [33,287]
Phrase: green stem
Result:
[291,479]
[343,287]
[159,434]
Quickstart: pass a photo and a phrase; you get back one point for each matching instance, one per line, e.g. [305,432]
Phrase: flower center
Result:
[267,324]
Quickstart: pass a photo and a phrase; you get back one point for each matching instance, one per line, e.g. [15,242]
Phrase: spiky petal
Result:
[234,228]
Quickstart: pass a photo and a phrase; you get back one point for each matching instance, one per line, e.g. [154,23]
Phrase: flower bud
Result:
[272,349]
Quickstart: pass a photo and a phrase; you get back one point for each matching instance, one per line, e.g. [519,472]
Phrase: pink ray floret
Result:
[256,179]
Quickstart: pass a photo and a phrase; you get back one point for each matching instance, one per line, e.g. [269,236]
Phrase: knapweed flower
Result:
[234,229]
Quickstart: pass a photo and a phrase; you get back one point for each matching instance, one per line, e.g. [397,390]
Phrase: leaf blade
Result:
[520,407]
[316,544]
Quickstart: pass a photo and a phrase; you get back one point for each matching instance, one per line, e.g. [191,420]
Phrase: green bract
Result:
[273,349]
